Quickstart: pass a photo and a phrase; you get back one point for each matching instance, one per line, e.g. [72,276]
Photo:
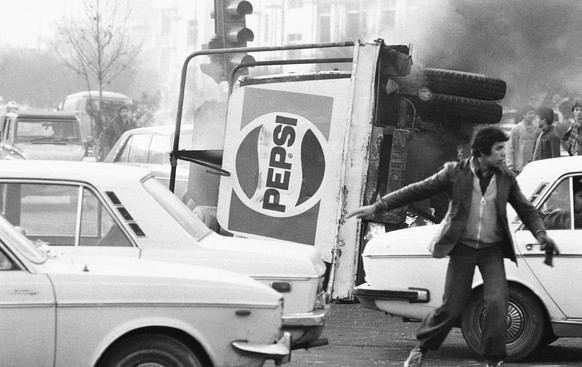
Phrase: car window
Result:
[159,152]
[138,147]
[178,210]
[560,206]
[5,263]
[54,214]
[29,130]
[6,131]
[71,104]
[124,155]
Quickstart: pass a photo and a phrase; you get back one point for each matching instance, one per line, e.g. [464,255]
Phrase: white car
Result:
[116,210]
[545,303]
[150,147]
[58,310]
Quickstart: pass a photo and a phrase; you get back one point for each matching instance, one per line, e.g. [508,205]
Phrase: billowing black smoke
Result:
[534,45]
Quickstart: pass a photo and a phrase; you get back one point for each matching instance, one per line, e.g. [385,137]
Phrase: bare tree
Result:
[97,46]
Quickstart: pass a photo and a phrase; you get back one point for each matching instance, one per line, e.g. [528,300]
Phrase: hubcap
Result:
[515,322]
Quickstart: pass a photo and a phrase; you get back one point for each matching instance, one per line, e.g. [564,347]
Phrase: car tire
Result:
[462,109]
[525,329]
[463,84]
[151,350]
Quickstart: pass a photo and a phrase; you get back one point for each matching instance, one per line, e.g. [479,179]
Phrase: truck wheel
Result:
[464,84]
[525,324]
[151,350]
[461,109]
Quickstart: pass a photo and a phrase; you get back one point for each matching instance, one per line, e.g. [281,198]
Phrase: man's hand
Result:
[363,211]
[548,245]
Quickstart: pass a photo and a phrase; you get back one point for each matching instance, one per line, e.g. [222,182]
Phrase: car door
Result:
[27,315]
[560,282]
[71,217]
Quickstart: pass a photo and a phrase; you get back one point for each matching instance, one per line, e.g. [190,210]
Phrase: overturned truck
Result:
[301,149]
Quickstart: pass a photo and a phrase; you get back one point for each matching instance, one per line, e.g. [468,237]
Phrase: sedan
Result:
[59,310]
[115,210]
[402,279]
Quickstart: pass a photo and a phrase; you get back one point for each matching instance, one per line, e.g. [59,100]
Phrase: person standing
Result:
[521,141]
[474,232]
[120,124]
[573,137]
[548,142]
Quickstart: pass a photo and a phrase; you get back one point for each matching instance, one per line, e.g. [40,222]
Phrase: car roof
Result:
[58,115]
[547,170]
[93,172]
[553,167]
[95,94]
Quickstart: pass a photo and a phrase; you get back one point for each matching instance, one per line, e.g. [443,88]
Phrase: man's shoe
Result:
[415,358]
[494,364]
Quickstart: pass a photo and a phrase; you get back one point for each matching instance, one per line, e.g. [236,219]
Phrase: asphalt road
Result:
[359,337]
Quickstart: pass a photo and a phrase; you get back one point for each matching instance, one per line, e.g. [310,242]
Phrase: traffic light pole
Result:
[176,154]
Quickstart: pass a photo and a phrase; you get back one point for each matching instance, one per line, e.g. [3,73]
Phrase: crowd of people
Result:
[535,137]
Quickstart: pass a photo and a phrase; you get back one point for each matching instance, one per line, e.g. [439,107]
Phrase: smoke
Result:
[534,45]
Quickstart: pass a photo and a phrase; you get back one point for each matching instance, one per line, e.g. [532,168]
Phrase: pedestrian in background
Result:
[120,124]
[548,142]
[521,141]
[475,232]
[573,137]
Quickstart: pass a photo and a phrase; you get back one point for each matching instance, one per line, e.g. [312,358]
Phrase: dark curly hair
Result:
[484,139]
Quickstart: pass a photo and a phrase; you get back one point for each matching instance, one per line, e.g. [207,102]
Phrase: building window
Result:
[294,38]
[325,28]
[388,19]
[295,4]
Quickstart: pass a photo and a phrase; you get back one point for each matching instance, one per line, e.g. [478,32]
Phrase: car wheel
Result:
[151,350]
[466,110]
[464,84]
[525,323]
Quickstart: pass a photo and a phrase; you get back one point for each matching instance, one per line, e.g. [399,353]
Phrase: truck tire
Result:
[464,84]
[525,329]
[462,109]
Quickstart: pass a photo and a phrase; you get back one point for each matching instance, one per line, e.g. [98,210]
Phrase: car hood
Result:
[408,241]
[255,257]
[275,256]
[58,152]
[123,280]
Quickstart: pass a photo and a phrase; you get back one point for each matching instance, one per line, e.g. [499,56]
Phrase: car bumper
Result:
[368,295]
[306,328]
[280,351]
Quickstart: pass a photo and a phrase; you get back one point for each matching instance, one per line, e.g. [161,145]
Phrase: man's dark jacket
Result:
[456,179]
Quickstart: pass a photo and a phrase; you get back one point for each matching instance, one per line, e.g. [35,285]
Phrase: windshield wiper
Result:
[44,138]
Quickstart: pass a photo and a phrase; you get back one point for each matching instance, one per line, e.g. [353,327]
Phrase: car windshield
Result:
[51,132]
[17,241]
[178,210]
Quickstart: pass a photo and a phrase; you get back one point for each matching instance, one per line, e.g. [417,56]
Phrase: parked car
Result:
[545,303]
[105,209]
[150,147]
[44,136]
[68,311]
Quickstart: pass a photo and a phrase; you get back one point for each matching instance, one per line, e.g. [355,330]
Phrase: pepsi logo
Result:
[280,164]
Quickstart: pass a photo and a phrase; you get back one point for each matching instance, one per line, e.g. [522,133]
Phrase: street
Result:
[360,337]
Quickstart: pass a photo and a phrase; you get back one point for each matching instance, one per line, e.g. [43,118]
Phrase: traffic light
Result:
[231,32]
[216,67]
[232,26]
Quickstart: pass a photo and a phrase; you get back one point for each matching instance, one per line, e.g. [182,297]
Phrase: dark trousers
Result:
[463,259]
